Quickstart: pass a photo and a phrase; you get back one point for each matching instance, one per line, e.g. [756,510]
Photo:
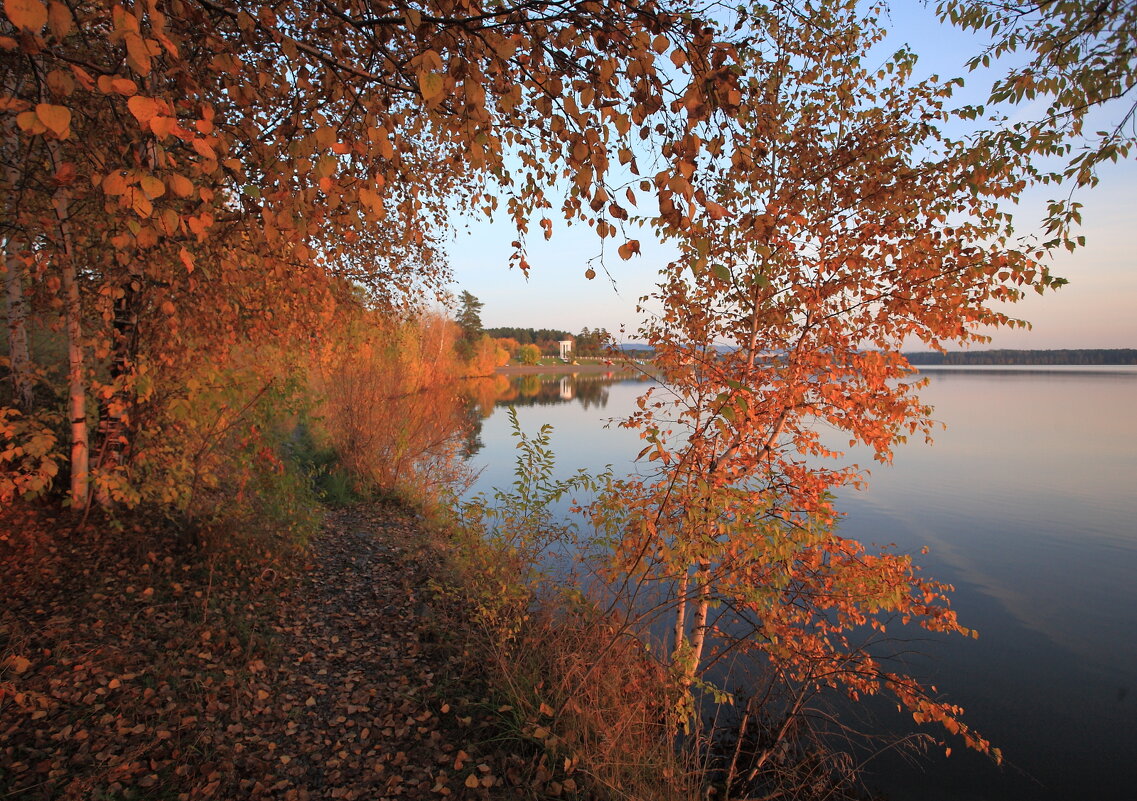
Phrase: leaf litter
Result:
[135,667]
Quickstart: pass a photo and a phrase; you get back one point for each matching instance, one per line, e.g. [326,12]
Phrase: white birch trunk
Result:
[681,617]
[702,608]
[76,370]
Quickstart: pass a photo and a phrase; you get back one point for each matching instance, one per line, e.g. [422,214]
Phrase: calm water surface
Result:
[1027,503]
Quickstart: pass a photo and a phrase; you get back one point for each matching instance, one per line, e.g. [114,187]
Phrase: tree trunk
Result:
[76,370]
[702,608]
[681,617]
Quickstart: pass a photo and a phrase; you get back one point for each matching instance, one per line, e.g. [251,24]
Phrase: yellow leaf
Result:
[153,187]
[144,109]
[56,119]
[430,84]
[29,14]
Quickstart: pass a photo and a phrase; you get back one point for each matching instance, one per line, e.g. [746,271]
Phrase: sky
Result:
[1097,309]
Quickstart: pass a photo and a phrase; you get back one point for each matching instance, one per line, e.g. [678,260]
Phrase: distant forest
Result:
[1066,356]
[529,336]
[586,343]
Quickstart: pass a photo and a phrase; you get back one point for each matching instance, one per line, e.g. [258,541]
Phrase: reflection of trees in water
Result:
[473,432]
[401,441]
[480,396]
[590,391]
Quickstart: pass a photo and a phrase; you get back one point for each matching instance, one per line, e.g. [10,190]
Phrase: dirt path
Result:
[134,667]
[355,679]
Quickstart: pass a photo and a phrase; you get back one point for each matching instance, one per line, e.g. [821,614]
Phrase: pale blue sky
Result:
[1096,310]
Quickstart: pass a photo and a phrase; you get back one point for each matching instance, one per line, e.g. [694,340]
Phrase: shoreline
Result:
[565,369]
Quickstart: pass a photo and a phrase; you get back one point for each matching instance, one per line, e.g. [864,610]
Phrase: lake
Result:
[1027,503]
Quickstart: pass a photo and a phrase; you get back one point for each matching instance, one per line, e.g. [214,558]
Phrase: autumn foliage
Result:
[220,223]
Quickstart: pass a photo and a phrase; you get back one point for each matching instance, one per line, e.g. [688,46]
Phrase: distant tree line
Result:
[1063,356]
[589,342]
[529,336]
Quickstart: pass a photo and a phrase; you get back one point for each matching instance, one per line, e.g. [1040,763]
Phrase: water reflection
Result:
[590,390]
[1027,503]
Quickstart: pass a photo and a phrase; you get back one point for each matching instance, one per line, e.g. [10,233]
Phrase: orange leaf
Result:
[204,150]
[56,119]
[430,84]
[153,187]
[144,109]
[19,664]
[59,19]
[181,186]
[139,202]
[29,14]
[163,126]
[114,184]
[137,53]
[716,211]
[169,222]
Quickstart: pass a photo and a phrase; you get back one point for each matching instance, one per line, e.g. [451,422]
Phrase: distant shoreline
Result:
[591,368]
